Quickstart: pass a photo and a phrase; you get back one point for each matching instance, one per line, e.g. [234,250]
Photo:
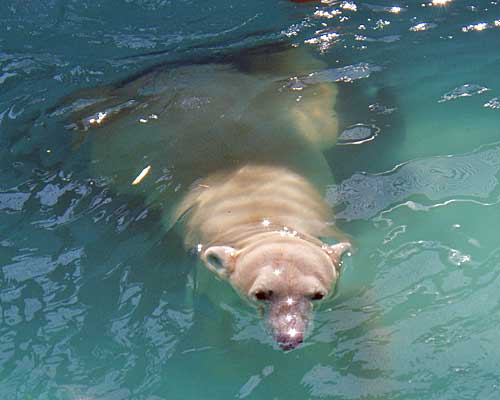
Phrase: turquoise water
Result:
[97,303]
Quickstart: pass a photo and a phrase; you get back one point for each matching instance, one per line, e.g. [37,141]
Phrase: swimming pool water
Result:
[97,303]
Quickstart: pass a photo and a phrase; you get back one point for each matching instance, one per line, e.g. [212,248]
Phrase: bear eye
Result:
[262,295]
[317,296]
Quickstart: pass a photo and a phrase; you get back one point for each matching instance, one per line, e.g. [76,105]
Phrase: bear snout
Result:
[289,342]
[288,320]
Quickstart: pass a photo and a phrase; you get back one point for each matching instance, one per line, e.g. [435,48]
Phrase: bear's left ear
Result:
[220,260]
[336,251]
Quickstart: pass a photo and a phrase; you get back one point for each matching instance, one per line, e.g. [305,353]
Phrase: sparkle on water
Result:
[97,302]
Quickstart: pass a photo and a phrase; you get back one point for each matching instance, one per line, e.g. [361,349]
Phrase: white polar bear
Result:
[250,139]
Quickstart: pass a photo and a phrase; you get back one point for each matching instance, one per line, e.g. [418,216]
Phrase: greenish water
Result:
[97,303]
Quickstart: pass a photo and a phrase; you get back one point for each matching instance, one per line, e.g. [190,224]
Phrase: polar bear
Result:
[231,150]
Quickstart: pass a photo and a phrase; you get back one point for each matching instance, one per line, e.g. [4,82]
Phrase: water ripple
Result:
[87,306]
[467,90]
[358,134]
[363,196]
[13,201]
[323,380]
[348,73]
[493,103]
[422,26]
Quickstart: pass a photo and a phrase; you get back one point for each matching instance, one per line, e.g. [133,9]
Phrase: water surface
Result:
[97,303]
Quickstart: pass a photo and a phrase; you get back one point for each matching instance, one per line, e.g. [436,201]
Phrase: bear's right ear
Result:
[336,251]
[220,260]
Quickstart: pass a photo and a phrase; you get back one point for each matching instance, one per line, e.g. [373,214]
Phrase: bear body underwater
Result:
[232,152]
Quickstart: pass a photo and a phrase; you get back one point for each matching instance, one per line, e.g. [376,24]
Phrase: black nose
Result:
[289,342]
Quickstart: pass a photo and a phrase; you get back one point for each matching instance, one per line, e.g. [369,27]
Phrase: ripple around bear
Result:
[243,142]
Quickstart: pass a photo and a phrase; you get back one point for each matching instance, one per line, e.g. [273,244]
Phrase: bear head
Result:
[283,275]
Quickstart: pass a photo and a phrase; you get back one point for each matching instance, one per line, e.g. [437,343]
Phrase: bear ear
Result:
[336,251]
[220,260]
